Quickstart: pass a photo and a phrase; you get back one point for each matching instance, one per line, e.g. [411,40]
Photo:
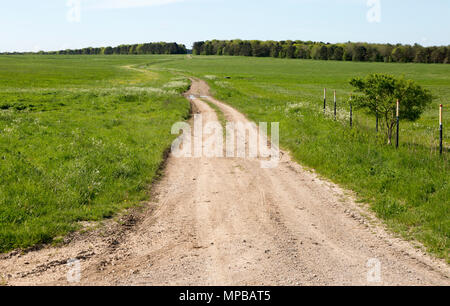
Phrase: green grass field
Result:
[83,137]
[408,188]
[80,139]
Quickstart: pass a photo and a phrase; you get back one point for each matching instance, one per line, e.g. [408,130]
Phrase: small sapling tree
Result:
[379,94]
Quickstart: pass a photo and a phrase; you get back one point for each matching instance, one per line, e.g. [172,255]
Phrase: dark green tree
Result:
[380,92]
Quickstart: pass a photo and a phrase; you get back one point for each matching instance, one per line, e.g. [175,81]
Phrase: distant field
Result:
[408,188]
[81,137]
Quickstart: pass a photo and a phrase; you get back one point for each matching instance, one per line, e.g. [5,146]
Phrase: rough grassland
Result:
[80,139]
[408,188]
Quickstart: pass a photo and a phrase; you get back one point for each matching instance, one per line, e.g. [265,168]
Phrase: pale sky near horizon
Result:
[30,25]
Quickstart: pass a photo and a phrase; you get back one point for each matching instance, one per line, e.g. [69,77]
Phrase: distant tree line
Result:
[360,52]
[147,48]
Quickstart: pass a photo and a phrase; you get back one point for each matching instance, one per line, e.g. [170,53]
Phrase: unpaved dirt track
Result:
[223,221]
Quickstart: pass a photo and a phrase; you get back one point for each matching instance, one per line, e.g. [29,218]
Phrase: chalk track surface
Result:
[227,221]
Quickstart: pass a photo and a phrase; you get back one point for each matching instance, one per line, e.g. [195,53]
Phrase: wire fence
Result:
[432,137]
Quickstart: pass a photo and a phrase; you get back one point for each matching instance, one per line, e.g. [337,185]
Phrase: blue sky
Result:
[30,25]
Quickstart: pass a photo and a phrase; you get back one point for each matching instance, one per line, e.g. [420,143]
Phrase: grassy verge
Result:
[408,188]
[220,114]
[80,139]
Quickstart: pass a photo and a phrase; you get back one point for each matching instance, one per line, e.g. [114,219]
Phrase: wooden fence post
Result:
[441,131]
[398,123]
[351,111]
[324,101]
[335,106]
[376,116]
